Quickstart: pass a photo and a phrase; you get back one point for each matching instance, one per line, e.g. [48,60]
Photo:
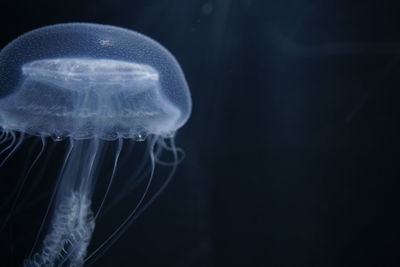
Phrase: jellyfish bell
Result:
[84,98]
[84,80]
[90,84]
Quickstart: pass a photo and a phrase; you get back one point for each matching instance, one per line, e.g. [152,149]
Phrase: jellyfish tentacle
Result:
[118,153]
[129,146]
[52,198]
[11,144]
[140,207]
[163,146]
[22,184]
[167,180]
[140,174]
[128,187]
[29,199]
[122,227]
[17,145]
[3,137]
[33,164]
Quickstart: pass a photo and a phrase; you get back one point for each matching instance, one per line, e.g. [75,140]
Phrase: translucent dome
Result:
[84,80]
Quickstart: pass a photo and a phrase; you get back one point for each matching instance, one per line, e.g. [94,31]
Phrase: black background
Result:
[292,149]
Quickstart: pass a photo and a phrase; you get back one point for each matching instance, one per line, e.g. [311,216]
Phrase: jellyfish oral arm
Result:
[72,224]
[71,229]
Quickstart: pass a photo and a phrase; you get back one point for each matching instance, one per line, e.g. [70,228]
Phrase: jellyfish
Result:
[92,86]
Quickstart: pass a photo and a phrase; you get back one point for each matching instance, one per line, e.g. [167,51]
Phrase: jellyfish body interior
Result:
[93,85]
